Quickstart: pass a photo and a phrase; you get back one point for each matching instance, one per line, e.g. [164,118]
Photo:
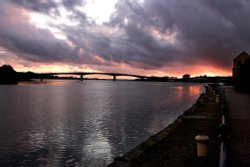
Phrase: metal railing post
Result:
[224,129]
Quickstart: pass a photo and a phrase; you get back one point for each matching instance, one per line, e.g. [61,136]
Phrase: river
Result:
[84,123]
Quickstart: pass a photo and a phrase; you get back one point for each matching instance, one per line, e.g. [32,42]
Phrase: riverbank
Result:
[175,145]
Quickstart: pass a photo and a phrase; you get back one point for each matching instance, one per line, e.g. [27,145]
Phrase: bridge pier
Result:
[142,78]
[114,77]
[41,78]
[81,77]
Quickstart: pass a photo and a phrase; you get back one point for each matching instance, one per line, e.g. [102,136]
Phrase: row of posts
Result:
[224,129]
[202,140]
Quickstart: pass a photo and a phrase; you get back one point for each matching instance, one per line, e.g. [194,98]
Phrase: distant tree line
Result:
[9,76]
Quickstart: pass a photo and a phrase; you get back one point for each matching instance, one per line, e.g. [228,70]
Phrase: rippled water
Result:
[73,123]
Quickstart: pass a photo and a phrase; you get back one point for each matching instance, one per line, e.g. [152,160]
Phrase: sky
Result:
[144,37]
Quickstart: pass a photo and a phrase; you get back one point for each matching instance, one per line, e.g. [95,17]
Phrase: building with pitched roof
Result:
[241,71]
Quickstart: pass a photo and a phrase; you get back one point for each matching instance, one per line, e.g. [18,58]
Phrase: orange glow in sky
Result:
[177,70]
[123,68]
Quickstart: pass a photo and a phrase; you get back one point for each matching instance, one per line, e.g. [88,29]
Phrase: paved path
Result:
[239,113]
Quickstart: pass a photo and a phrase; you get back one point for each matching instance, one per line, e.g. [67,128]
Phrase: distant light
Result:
[141,1]
[126,21]
[100,10]
[2,52]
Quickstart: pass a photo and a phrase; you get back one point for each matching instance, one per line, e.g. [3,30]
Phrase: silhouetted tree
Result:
[8,75]
[186,77]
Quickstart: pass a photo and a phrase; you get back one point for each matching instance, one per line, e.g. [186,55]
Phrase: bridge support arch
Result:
[114,77]
[81,77]
[142,78]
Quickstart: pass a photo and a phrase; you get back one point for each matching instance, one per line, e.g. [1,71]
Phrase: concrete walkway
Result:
[239,114]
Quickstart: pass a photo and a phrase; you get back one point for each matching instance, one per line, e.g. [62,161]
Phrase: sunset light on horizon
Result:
[146,37]
[124,83]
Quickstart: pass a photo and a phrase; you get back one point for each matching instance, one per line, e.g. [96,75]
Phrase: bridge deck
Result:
[95,73]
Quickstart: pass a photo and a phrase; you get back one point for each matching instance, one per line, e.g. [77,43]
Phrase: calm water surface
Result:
[73,123]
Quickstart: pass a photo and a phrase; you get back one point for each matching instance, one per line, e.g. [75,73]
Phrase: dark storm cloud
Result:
[141,47]
[37,48]
[37,5]
[203,31]
[132,44]
[72,3]
[50,7]
[46,5]
[32,43]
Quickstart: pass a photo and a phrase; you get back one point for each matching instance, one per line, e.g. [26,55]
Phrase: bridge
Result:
[82,74]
